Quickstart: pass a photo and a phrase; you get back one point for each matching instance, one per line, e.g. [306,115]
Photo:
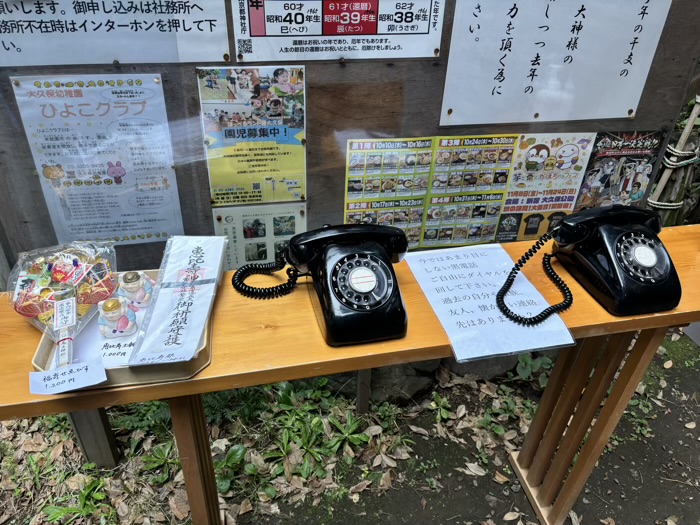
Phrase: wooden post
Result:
[95,437]
[187,414]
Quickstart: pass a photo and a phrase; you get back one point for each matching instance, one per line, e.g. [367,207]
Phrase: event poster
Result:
[387,182]
[442,191]
[258,233]
[620,169]
[101,146]
[546,176]
[279,30]
[59,32]
[549,61]
[254,123]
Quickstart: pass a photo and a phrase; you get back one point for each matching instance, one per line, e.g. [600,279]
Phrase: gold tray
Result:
[142,374]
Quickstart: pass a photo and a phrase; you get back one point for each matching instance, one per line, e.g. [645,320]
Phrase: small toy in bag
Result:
[58,288]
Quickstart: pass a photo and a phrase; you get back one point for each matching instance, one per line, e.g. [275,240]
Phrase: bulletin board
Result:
[346,99]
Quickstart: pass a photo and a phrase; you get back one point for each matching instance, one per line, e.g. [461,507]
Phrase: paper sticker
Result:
[67,378]
[64,313]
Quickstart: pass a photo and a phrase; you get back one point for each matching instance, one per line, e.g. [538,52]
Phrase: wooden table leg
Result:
[187,414]
[550,494]
[364,390]
[95,437]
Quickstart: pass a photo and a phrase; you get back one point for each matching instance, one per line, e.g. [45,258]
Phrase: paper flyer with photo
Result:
[257,233]
[620,169]
[546,176]
[467,189]
[254,124]
[442,191]
[387,183]
[101,146]
[278,31]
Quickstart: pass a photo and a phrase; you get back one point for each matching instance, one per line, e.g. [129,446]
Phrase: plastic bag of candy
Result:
[57,289]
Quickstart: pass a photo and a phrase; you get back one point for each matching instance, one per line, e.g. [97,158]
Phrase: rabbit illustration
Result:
[116,171]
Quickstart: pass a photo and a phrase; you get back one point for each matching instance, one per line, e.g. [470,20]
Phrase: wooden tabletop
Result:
[258,342]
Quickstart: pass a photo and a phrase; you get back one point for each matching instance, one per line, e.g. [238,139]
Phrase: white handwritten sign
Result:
[519,61]
[461,286]
[67,378]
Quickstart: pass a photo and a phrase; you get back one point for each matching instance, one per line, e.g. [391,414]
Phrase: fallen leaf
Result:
[123,509]
[668,364]
[388,461]
[76,482]
[690,425]
[36,444]
[575,518]
[56,452]
[663,383]
[607,521]
[419,430]
[246,506]
[511,434]
[384,483]
[423,503]
[220,446]
[362,485]
[500,478]
[461,411]
[374,430]
[354,498]
[476,469]
[178,504]
[641,387]
[672,520]
[675,337]
[511,516]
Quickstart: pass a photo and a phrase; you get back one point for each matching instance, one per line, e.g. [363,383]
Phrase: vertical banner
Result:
[256,234]
[547,173]
[620,169]
[101,146]
[254,124]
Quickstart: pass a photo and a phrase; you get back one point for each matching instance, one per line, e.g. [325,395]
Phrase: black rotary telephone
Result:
[357,298]
[615,254]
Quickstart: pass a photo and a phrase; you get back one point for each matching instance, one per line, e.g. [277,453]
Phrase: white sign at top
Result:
[517,61]
[58,32]
[284,30]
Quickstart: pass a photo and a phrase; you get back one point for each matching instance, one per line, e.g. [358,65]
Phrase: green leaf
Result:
[250,469]
[223,484]
[235,455]
[498,430]
[54,513]
[543,379]
[524,370]
[270,491]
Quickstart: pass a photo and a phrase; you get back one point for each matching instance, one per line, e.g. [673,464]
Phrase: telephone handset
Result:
[355,293]
[615,254]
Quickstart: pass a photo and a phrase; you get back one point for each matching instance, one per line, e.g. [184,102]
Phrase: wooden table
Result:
[259,342]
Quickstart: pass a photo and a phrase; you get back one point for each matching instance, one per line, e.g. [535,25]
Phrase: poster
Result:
[279,30]
[101,147]
[256,234]
[59,32]
[547,174]
[467,189]
[387,183]
[549,61]
[442,191]
[620,169]
[254,124]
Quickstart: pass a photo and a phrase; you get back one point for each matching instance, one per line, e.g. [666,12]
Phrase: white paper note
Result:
[67,378]
[461,286]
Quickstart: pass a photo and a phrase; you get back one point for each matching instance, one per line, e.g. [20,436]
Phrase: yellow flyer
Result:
[254,127]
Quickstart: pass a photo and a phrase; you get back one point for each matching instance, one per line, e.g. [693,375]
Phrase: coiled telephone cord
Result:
[549,271]
[237,281]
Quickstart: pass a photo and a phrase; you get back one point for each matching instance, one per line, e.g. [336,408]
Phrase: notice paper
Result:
[461,285]
[67,378]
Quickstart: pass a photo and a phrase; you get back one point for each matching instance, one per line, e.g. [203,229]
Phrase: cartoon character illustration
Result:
[136,288]
[550,163]
[536,157]
[567,156]
[637,192]
[116,171]
[53,173]
[592,198]
[116,319]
